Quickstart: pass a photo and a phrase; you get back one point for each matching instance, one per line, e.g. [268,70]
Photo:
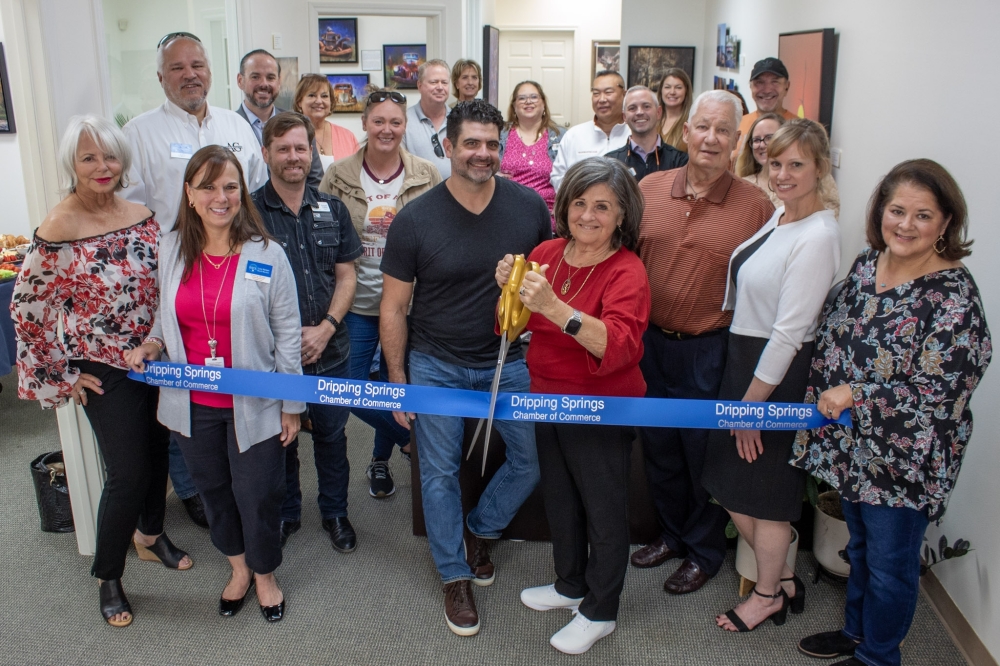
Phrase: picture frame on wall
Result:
[348,92]
[605,56]
[491,65]
[338,40]
[401,62]
[371,60]
[811,59]
[647,64]
[287,82]
[7,112]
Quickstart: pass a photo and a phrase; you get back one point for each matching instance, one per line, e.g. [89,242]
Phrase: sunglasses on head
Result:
[169,37]
[380,96]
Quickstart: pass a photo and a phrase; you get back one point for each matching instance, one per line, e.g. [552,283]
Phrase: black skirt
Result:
[768,488]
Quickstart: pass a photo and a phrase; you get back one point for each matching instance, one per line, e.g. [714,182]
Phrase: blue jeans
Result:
[882,589]
[439,447]
[364,341]
[180,477]
[330,454]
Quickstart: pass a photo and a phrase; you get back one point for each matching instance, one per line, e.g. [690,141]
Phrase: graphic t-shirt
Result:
[381,212]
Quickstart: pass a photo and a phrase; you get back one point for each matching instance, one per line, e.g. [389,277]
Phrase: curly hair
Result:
[476,111]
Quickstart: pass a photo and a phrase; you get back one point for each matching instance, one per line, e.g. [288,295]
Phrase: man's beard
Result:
[252,101]
[473,174]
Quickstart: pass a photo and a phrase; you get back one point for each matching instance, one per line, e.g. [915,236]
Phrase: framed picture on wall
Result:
[605,56]
[348,92]
[491,65]
[338,40]
[647,64]
[401,62]
[811,60]
[289,79]
[7,109]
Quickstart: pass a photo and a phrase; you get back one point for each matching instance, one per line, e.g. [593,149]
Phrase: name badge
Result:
[182,151]
[217,362]
[258,272]
[321,207]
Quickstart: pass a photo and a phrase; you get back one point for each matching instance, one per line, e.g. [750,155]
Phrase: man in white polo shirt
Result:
[164,139]
[606,132]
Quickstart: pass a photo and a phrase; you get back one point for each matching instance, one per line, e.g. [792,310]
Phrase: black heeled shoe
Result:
[114,602]
[273,613]
[230,607]
[164,551]
[797,602]
[778,617]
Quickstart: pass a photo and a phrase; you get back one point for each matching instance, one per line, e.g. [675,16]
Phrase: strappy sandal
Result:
[778,617]
[796,602]
[114,602]
[163,551]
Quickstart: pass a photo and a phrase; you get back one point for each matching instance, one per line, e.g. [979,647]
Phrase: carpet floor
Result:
[379,605]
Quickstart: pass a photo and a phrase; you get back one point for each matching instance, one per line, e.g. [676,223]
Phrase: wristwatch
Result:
[573,324]
[333,320]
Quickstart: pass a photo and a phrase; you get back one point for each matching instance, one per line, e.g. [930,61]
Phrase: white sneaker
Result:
[580,635]
[546,598]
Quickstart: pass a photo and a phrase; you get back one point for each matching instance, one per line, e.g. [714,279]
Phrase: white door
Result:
[544,57]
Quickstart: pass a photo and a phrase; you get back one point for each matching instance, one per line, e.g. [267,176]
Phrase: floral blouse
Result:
[101,289]
[913,355]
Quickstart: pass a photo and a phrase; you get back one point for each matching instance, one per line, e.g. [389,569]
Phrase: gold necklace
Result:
[216,266]
[566,285]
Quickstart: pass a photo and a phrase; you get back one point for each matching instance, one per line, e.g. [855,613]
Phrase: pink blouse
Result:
[103,289]
[530,165]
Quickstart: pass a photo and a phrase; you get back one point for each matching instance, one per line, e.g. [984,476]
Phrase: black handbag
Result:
[48,473]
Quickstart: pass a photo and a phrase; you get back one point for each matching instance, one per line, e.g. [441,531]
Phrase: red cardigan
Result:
[617,293]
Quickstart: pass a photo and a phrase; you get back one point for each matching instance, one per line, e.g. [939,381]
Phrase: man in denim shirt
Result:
[316,232]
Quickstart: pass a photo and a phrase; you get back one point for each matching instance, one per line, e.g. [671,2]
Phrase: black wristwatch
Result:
[572,326]
[333,320]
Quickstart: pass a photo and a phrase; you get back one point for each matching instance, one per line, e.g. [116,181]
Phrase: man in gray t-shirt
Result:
[427,120]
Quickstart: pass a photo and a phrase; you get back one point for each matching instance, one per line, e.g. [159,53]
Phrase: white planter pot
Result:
[746,562]
[830,536]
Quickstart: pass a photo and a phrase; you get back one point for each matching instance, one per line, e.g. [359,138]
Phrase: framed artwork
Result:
[338,40]
[491,65]
[286,84]
[348,92]
[720,45]
[647,64]
[605,56]
[811,60]
[6,107]
[401,61]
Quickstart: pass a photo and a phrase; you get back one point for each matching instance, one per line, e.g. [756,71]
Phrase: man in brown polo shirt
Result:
[694,218]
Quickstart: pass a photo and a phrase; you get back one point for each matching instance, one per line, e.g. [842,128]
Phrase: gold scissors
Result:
[513,317]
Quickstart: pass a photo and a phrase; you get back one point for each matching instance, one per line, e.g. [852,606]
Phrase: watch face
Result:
[573,326]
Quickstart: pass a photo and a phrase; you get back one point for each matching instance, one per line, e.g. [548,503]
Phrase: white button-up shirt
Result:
[583,141]
[165,138]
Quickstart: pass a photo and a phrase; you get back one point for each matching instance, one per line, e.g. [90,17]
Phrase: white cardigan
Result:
[782,287]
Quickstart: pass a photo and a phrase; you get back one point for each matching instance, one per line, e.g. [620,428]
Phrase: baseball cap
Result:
[772,65]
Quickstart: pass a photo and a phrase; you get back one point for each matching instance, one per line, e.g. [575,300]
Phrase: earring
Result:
[940,239]
[191,203]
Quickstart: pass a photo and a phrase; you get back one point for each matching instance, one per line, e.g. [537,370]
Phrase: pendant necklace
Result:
[216,266]
[380,179]
[566,285]
[212,342]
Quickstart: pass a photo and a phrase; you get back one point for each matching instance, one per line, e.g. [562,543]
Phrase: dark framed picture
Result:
[491,65]
[811,60]
[338,40]
[6,107]
[348,92]
[646,64]
[401,62]
[605,56]
[287,82]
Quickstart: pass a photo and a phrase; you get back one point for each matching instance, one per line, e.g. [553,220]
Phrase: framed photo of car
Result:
[338,40]
[348,92]
[402,62]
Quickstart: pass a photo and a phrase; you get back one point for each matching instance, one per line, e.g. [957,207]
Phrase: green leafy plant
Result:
[944,552]
[121,119]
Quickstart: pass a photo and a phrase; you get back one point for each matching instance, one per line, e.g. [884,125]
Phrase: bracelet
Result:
[156,341]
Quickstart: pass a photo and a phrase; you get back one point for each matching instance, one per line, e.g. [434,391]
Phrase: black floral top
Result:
[913,355]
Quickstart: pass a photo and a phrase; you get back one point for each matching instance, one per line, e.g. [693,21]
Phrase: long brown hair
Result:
[746,165]
[247,224]
[547,122]
[675,136]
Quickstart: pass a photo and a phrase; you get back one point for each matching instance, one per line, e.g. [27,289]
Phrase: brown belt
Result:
[677,335]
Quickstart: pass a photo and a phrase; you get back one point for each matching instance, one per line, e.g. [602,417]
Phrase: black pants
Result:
[585,472]
[133,445]
[675,457]
[242,492]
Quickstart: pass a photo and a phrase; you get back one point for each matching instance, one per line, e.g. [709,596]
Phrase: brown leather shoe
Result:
[653,555]
[688,578]
[460,608]
[477,554]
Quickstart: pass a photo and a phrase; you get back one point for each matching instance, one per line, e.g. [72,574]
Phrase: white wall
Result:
[15,218]
[599,20]
[909,84]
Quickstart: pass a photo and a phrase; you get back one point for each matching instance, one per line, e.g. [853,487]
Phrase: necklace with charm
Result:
[215,361]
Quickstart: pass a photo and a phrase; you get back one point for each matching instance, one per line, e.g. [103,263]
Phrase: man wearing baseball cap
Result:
[768,85]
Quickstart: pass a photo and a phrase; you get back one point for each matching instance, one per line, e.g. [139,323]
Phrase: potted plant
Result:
[830,535]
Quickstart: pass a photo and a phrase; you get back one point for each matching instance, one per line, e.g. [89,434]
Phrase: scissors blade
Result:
[496,382]
[494,389]
[475,438]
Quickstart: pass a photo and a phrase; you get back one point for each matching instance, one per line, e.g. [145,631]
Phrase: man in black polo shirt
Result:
[645,152]
[316,232]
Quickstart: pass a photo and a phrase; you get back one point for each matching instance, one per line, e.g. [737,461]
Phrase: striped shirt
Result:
[685,244]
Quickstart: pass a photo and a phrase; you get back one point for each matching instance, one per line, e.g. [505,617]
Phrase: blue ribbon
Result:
[652,412]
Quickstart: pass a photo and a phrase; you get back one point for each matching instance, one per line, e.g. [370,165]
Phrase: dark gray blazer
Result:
[315,171]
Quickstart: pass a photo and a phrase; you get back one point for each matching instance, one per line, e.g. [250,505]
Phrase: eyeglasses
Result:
[380,96]
[438,150]
[169,37]
[761,140]
[521,99]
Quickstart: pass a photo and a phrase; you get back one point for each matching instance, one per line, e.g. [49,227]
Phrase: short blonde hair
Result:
[105,134]
[459,69]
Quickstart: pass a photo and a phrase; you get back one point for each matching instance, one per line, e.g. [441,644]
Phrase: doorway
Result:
[542,56]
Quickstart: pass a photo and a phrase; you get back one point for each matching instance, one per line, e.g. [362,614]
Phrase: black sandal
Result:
[796,602]
[114,602]
[778,617]
[165,552]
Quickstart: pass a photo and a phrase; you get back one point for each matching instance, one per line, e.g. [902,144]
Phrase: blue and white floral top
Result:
[913,355]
